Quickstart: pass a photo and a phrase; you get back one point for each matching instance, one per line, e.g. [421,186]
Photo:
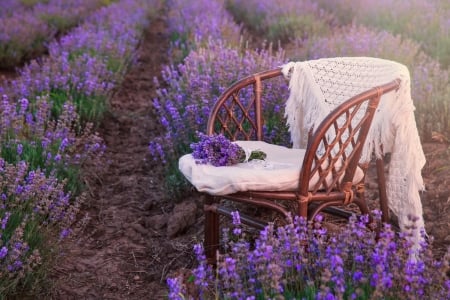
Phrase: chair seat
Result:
[279,172]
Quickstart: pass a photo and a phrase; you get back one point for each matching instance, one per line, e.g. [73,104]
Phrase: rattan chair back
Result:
[332,154]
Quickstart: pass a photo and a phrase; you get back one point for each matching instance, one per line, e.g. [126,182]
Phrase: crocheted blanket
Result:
[318,86]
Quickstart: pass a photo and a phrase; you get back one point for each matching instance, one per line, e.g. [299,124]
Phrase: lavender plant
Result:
[10,6]
[281,20]
[302,261]
[426,22]
[31,205]
[25,32]
[63,15]
[191,27]
[22,36]
[107,36]
[85,81]
[58,147]
[40,170]
[86,64]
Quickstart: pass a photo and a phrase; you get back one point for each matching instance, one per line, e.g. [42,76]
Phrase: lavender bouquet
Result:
[218,151]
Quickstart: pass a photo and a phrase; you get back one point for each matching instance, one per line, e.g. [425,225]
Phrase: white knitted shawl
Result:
[318,86]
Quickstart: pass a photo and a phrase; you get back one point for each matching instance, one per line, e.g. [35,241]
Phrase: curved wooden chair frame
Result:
[339,137]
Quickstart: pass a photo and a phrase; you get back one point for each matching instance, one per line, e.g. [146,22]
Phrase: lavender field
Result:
[100,99]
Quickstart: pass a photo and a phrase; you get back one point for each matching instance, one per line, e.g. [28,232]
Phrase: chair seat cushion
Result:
[279,172]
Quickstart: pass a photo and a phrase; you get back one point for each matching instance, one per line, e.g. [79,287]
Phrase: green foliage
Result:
[277,21]
[253,19]
[36,156]
[290,26]
[90,108]
[23,45]
[45,248]
[33,153]
[72,176]
[107,2]
[32,3]
[59,23]
[176,184]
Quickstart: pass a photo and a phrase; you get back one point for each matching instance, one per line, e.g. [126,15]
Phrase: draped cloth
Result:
[318,86]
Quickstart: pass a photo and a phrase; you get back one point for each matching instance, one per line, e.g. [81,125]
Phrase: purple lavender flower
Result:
[64,233]
[3,252]
[236,218]
[203,273]
[5,220]
[17,265]
[19,149]
[218,151]
[236,223]
[175,289]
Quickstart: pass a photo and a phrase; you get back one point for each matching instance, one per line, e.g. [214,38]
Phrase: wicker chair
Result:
[337,139]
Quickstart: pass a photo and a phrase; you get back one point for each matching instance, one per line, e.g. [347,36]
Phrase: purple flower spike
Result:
[3,252]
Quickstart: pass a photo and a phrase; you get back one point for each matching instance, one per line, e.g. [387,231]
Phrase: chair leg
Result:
[360,199]
[211,243]
[382,191]
[303,204]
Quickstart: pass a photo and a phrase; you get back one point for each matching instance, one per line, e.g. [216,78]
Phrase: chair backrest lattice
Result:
[236,118]
[334,150]
[238,113]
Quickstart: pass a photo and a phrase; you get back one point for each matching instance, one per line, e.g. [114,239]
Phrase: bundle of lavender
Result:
[218,151]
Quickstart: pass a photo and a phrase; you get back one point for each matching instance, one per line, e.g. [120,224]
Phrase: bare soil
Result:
[130,237]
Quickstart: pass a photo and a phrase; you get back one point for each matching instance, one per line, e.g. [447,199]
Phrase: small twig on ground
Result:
[168,265]
[134,258]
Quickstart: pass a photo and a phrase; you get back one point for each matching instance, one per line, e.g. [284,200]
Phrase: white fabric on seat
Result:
[279,172]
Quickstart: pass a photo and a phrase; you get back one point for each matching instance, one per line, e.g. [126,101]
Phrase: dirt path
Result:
[120,250]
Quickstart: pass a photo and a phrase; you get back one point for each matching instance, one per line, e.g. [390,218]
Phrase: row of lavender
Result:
[27,26]
[427,22]
[277,267]
[47,136]
[214,59]
[351,264]
[281,20]
[317,34]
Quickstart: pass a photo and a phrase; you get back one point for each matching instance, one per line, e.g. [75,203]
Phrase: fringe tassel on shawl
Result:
[301,114]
